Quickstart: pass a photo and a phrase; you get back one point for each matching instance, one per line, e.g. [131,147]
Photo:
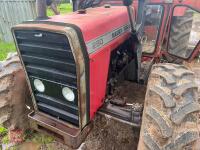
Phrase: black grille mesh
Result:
[47,56]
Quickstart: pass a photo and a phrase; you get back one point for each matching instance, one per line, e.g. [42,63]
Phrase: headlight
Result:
[68,94]
[39,85]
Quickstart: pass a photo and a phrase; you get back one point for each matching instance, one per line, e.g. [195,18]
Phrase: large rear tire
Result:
[179,36]
[170,116]
[13,94]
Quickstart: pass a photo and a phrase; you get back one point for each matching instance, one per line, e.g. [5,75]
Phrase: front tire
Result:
[170,116]
[14,94]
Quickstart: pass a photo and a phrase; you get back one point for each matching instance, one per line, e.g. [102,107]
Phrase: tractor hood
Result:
[98,26]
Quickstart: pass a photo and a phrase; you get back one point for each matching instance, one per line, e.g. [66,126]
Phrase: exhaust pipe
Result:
[141,4]
[128,4]
[41,10]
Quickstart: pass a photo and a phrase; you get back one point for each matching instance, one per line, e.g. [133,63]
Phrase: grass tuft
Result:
[63,8]
[5,139]
[3,131]
[36,137]
[6,48]
[42,138]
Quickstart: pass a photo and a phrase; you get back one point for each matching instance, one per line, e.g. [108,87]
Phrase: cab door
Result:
[171,27]
[184,30]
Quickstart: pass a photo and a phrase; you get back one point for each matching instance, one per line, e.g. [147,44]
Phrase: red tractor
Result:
[74,63]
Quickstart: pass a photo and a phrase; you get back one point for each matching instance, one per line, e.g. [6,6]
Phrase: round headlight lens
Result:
[39,85]
[68,94]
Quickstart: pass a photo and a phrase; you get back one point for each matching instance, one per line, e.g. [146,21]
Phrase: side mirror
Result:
[127,2]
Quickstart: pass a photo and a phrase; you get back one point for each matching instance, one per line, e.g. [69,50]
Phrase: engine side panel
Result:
[99,66]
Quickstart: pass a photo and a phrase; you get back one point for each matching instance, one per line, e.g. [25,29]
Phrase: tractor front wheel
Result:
[13,94]
[171,110]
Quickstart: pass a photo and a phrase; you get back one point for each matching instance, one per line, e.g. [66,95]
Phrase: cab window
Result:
[152,20]
[184,31]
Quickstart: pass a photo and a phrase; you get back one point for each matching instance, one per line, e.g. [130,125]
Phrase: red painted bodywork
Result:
[98,21]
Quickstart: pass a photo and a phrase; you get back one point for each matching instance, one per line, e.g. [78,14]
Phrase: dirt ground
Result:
[107,134]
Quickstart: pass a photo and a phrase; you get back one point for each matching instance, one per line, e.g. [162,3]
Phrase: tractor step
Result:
[130,115]
[125,103]
[65,133]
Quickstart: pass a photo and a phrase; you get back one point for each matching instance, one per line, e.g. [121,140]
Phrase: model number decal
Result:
[99,42]
[117,33]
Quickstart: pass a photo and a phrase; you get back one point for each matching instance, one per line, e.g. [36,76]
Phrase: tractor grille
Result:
[48,57]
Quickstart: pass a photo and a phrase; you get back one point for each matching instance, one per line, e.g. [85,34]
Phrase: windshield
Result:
[152,20]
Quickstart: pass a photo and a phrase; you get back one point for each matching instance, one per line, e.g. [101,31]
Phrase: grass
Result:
[36,137]
[5,139]
[29,137]
[5,48]
[42,138]
[3,131]
[63,8]
[4,135]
